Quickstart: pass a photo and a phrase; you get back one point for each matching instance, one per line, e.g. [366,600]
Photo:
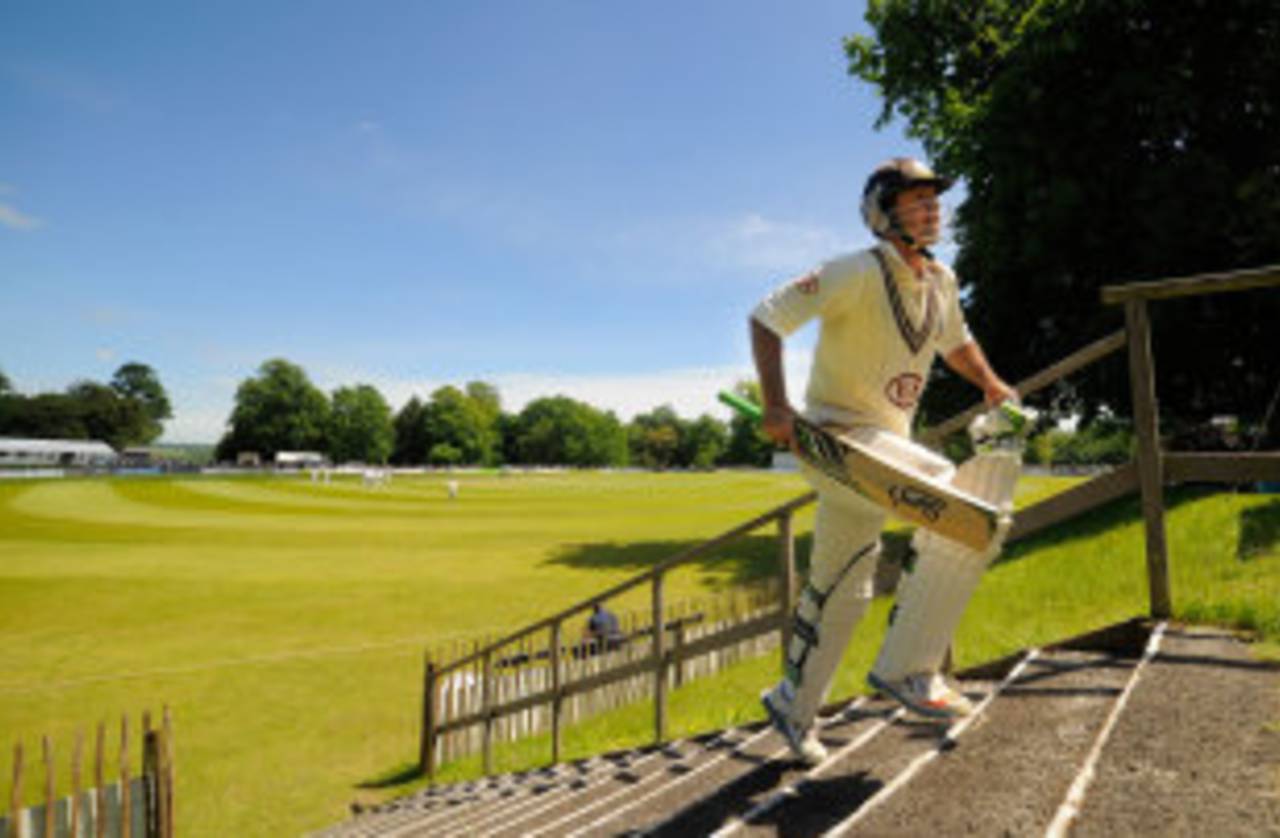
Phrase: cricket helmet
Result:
[883,187]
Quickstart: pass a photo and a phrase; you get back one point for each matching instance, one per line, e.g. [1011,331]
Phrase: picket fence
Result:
[526,671]
[130,806]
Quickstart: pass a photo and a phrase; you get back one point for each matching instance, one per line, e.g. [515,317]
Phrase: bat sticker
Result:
[929,505]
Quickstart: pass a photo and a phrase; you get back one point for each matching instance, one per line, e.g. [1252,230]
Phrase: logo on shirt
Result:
[807,284]
[904,390]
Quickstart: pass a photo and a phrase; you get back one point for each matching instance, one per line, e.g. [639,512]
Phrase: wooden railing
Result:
[1151,461]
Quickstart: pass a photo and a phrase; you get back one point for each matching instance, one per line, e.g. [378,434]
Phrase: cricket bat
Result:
[901,490]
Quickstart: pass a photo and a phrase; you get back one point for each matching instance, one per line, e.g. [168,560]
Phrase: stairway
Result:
[1130,730]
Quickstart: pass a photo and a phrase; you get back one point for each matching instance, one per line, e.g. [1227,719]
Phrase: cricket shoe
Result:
[926,693]
[802,741]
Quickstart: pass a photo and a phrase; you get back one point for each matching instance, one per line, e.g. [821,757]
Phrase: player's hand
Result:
[778,424]
[996,392]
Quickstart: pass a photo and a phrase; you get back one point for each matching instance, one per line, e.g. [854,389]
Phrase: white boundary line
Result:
[737,823]
[1070,808]
[914,767]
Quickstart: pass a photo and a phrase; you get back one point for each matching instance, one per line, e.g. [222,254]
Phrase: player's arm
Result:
[969,361]
[766,348]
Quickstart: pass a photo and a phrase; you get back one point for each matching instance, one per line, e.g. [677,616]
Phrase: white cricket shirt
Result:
[878,334]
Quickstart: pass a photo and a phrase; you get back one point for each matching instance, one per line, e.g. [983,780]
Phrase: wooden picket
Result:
[132,806]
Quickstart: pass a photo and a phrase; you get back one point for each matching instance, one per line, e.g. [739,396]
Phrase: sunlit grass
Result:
[285,622]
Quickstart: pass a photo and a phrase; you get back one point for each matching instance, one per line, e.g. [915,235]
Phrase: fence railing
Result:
[1151,461]
[526,671]
[132,805]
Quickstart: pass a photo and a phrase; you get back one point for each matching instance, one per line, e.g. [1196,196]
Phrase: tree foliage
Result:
[129,411]
[139,383]
[360,428]
[561,430]
[748,444]
[278,409]
[460,427]
[410,447]
[1101,142]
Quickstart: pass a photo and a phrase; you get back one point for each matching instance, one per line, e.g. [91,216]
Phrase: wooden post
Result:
[100,780]
[151,777]
[486,699]
[557,700]
[787,579]
[15,793]
[46,751]
[427,746]
[168,773]
[1146,420]
[678,650]
[77,759]
[126,804]
[659,664]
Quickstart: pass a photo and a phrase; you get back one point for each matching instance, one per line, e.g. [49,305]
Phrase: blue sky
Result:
[557,197]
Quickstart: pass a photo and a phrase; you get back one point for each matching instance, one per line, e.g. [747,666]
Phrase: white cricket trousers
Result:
[846,548]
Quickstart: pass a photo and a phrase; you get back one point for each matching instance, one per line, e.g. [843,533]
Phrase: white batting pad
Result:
[846,548]
[933,595]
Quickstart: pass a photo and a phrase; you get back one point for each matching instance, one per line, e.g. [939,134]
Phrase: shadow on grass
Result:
[1259,530]
[399,776]
[751,560]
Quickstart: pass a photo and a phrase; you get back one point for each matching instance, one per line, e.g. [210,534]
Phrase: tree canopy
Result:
[139,383]
[561,430]
[1100,142]
[129,411]
[279,409]
[360,428]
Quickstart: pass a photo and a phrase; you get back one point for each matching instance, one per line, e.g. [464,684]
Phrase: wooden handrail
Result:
[1188,286]
[642,578]
[1075,361]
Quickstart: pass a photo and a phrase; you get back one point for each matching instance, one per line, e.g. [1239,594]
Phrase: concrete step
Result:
[1197,750]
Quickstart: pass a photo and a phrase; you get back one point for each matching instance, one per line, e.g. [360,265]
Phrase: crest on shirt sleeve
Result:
[807,284]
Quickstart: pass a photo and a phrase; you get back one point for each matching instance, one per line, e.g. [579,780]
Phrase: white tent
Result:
[55,452]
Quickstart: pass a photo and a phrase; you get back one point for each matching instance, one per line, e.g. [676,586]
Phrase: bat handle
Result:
[747,408]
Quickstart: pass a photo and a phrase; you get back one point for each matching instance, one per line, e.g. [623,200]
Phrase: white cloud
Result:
[104,354]
[755,242]
[12,217]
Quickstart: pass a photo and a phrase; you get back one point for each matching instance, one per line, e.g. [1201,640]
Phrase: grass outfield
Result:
[284,622]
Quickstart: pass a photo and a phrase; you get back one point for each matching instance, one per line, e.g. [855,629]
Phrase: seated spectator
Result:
[602,629]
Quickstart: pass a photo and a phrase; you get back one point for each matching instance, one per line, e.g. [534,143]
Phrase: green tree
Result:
[457,420]
[278,409]
[410,447]
[139,383]
[6,387]
[107,416]
[705,442]
[748,445]
[561,431]
[655,438]
[1101,142]
[42,416]
[360,428]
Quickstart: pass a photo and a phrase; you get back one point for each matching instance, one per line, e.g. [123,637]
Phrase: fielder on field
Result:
[884,313]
